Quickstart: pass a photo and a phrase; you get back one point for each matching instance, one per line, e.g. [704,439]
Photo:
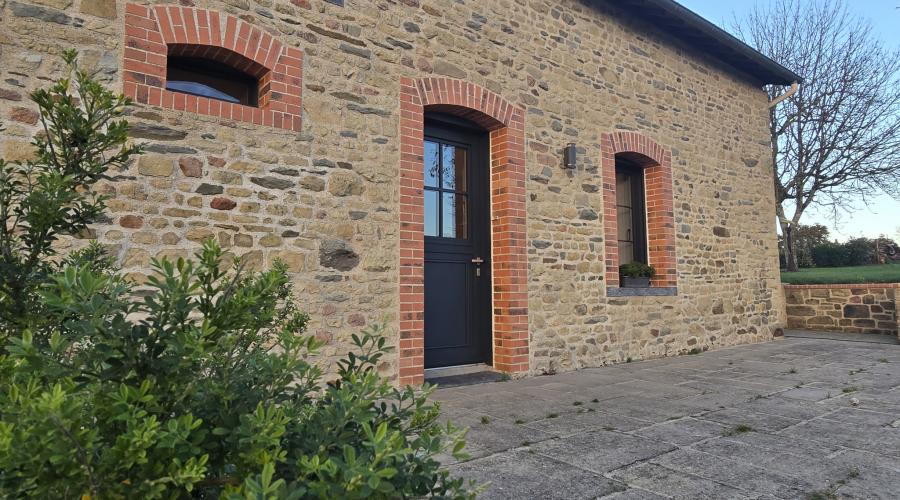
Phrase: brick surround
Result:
[153,34]
[506,124]
[657,164]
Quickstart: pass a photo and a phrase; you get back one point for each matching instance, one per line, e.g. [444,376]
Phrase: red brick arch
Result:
[657,162]
[152,34]
[506,124]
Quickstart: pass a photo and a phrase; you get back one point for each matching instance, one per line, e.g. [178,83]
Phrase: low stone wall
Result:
[863,308]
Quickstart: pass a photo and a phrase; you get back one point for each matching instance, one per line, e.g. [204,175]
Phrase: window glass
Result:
[454,167]
[431,213]
[455,216]
[445,172]
[207,78]
[432,164]
[199,89]
[626,252]
[623,189]
[630,215]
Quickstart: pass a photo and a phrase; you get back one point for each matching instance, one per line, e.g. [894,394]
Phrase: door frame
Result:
[449,129]
[505,124]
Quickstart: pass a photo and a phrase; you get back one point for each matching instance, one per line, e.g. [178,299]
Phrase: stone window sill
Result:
[651,291]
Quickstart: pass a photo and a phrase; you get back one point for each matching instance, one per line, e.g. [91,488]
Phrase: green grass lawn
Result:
[887,273]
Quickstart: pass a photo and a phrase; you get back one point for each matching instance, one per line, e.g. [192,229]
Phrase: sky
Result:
[882,215]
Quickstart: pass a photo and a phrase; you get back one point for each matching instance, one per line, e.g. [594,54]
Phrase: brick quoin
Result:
[657,164]
[506,126]
[152,34]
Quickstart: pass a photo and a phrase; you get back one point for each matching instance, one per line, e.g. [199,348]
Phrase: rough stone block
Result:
[856,311]
[221,203]
[156,165]
[131,221]
[820,321]
[800,310]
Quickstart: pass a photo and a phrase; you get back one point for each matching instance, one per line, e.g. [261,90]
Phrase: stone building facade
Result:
[325,169]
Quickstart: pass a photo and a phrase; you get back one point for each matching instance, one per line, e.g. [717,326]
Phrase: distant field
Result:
[887,273]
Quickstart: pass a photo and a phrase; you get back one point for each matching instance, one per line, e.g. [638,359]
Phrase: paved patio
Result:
[774,420]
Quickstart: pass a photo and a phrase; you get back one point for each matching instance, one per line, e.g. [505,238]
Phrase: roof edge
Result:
[768,71]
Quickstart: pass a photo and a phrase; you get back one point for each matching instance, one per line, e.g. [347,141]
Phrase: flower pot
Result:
[635,282]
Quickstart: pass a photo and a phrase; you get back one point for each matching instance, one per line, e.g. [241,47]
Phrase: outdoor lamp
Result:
[569,155]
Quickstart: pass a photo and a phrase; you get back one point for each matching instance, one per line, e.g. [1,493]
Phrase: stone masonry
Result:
[864,308]
[322,190]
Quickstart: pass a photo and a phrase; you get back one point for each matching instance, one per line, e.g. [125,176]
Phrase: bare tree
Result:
[837,139]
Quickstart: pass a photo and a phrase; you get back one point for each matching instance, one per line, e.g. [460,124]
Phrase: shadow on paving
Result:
[786,419]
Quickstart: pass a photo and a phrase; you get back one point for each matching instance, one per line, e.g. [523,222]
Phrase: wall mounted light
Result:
[569,156]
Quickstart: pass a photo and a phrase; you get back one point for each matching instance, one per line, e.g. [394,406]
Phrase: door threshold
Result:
[456,376]
[447,371]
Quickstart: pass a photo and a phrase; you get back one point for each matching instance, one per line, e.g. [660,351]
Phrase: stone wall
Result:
[326,198]
[864,308]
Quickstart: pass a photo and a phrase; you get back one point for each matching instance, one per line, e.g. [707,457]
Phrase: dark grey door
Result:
[457,257]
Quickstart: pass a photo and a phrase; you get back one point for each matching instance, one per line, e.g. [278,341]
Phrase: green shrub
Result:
[197,385]
[202,388]
[854,252]
[830,254]
[636,269]
[859,252]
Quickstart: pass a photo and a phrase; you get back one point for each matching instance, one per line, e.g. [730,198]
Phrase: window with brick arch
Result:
[211,63]
[638,222]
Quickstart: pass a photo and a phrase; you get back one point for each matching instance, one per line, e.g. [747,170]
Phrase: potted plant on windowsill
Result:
[635,275]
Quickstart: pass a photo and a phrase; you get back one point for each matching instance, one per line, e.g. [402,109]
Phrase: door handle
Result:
[477,261]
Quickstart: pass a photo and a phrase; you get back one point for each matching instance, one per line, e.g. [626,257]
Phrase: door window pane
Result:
[431,213]
[432,164]
[455,212]
[454,167]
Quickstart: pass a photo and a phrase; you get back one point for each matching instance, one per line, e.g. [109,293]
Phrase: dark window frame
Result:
[638,208]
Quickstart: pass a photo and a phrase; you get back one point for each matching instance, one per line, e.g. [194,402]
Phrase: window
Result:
[211,63]
[630,212]
[446,197]
[638,209]
[208,78]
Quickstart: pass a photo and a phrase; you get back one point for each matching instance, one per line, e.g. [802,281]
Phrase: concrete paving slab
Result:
[785,407]
[880,440]
[633,494]
[495,434]
[733,417]
[522,474]
[674,484]
[861,416]
[786,419]
[602,451]
[649,409]
[733,473]
[682,431]
[587,420]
